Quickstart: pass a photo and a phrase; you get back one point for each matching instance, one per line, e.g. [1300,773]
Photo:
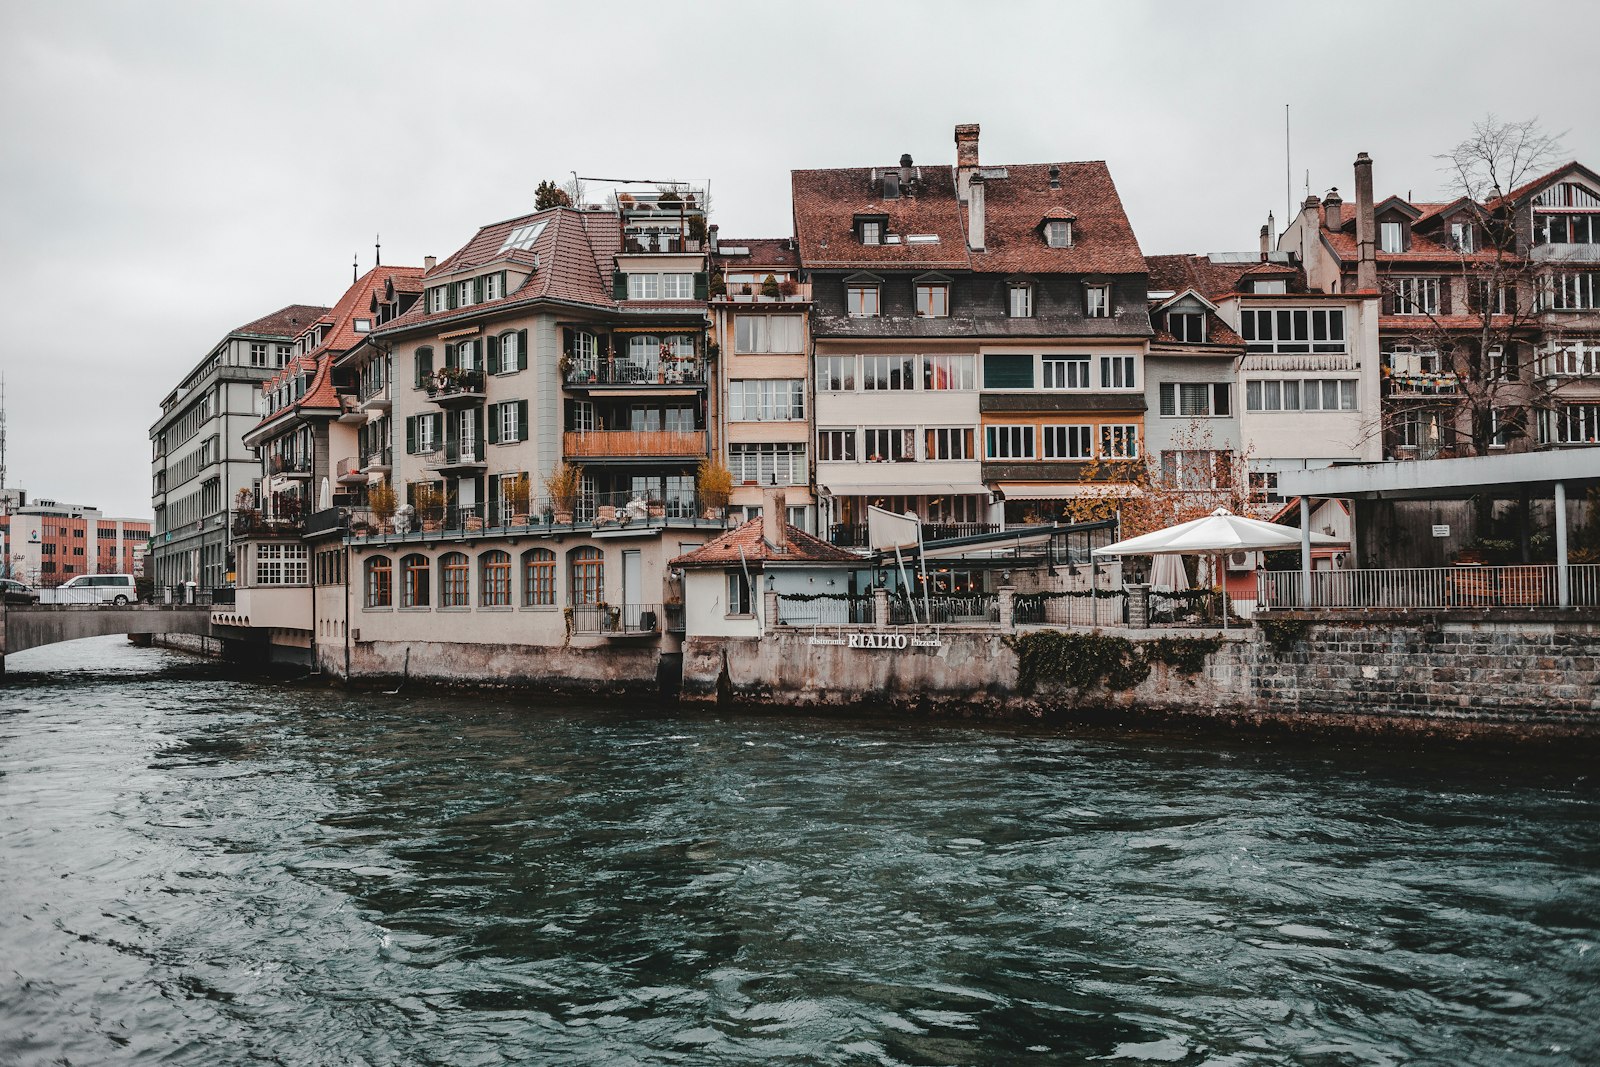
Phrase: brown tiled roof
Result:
[764,252]
[827,201]
[355,303]
[1424,249]
[801,548]
[1197,272]
[1524,189]
[1424,324]
[1218,334]
[286,322]
[1016,205]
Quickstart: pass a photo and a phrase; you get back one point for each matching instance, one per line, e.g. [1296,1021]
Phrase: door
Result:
[632,586]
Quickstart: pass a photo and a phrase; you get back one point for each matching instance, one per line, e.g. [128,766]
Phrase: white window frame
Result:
[894,444]
[1119,372]
[1058,233]
[959,371]
[1063,441]
[938,303]
[1097,301]
[1065,372]
[767,400]
[869,295]
[644,286]
[1119,440]
[832,442]
[949,443]
[1416,295]
[1019,300]
[833,368]
[1010,442]
[764,334]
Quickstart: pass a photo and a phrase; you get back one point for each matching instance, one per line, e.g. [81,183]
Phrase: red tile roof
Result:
[355,303]
[764,252]
[1424,249]
[1517,194]
[1198,272]
[801,548]
[827,201]
[288,322]
[1016,205]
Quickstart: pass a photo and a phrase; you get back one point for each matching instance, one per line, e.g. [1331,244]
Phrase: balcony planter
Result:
[656,509]
[563,518]
[474,523]
[519,518]
[605,513]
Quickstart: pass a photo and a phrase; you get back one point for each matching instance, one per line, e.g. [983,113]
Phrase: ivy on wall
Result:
[1082,661]
[1283,634]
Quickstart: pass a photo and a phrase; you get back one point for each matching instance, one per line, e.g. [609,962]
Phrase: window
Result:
[1196,399]
[258,355]
[767,400]
[768,464]
[1573,359]
[463,293]
[1066,372]
[1119,441]
[284,352]
[1058,233]
[836,374]
[1390,237]
[508,422]
[380,583]
[1097,301]
[1008,442]
[436,299]
[739,599]
[644,287]
[1020,300]
[1193,470]
[1293,329]
[415,582]
[1461,236]
[1416,296]
[1007,372]
[1117,372]
[1501,369]
[888,372]
[362,325]
[538,578]
[887,445]
[836,446]
[1312,394]
[275,564]
[949,443]
[871,233]
[949,372]
[1187,326]
[1567,229]
[678,286]
[494,579]
[1416,428]
[588,584]
[1067,441]
[933,300]
[453,580]
[1499,427]
[512,357]
[1570,424]
[1572,292]
[523,236]
[767,333]
[861,301]
[1269,286]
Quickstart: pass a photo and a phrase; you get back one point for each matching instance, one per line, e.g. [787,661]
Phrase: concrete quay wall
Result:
[604,669]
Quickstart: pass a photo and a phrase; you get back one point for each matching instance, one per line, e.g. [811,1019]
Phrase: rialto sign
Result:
[886,642]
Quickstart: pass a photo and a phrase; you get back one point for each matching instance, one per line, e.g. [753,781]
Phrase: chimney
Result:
[1266,240]
[1333,208]
[1366,227]
[429,262]
[975,213]
[774,511]
[1055,176]
[966,156]
[905,173]
[711,237]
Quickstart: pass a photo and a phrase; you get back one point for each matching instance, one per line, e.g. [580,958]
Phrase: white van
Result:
[115,589]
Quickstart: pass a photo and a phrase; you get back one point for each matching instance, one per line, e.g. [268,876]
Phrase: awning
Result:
[906,489]
[1063,490]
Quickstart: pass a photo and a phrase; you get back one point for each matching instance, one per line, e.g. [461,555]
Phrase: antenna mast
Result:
[1288,181]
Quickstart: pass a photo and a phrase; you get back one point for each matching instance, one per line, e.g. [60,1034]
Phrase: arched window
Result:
[494,579]
[380,582]
[538,578]
[453,580]
[414,581]
[642,349]
[588,583]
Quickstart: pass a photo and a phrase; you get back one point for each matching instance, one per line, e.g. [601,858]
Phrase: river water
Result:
[202,869]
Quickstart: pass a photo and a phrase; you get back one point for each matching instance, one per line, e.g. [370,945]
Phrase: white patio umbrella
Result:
[1217,534]
[1167,574]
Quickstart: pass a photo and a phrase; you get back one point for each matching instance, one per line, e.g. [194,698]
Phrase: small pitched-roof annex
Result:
[746,544]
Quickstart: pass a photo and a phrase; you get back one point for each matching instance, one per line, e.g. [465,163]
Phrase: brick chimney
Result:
[711,237]
[774,514]
[1266,240]
[975,217]
[966,155]
[1366,227]
[429,262]
[1333,208]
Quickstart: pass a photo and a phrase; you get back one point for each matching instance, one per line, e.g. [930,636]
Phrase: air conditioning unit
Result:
[1241,561]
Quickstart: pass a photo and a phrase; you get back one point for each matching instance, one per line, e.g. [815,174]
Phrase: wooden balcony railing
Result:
[635,443]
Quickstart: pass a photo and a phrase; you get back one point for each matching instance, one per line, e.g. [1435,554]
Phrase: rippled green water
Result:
[199,870]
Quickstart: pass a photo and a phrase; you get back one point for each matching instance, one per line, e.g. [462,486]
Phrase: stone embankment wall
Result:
[1528,679]
[616,668]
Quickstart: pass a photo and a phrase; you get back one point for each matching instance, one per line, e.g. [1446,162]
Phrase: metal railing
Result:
[945,610]
[856,611]
[1038,610]
[1430,588]
[279,464]
[348,470]
[455,453]
[854,535]
[621,509]
[627,372]
[453,382]
[250,523]
[378,457]
[616,619]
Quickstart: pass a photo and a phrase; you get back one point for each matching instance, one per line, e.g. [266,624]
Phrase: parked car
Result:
[16,592]
[118,589]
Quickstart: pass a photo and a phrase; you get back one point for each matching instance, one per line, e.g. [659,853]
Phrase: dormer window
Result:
[861,301]
[436,299]
[1391,237]
[1097,301]
[871,233]
[1058,233]
[492,286]
[1270,286]
[891,185]
[1461,236]
[463,294]
[1187,327]
[362,325]
[1020,300]
[933,300]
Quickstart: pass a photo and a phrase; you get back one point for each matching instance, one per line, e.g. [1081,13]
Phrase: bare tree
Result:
[1482,387]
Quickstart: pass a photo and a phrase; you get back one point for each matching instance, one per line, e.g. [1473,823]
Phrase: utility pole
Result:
[5,496]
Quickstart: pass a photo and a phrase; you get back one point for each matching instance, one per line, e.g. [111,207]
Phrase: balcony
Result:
[625,374]
[378,460]
[617,620]
[458,457]
[250,524]
[350,472]
[453,387]
[290,466]
[632,444]
[1429,588]
[854,535]
[1424,384]
[655,244]
[351,413]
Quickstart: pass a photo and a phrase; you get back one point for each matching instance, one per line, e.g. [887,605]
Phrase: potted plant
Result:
[719,286]
[769,288]
[789,288]
[516,491]
[382,499]
[713,482]
[565,364]
[656,509]
[429,504]
[563,484]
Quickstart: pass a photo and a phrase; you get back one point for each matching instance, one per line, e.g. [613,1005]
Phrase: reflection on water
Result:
[200,869]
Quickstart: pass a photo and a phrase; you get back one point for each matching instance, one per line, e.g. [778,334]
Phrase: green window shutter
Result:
[450,296]
[522,420]
[411,435]
[494,424]
[450,356]
[438,427]
[424,366]
[477,424]
[493,512]
[700,289]
[477,290]
[522,349]
[619,285]
[491,357]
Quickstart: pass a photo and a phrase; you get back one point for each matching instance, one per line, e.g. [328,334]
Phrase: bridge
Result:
[47,624]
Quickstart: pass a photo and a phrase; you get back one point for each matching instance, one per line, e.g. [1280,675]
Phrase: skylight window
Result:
[523,236]
[922,238]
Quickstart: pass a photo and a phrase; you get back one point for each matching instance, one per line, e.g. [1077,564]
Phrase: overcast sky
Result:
[172,170]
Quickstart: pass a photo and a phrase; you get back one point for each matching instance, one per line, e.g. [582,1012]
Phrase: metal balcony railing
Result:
[1429,588]
[628,373]
[945,610]
[853,611]
[618,619]
[854,535]
[378,458]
